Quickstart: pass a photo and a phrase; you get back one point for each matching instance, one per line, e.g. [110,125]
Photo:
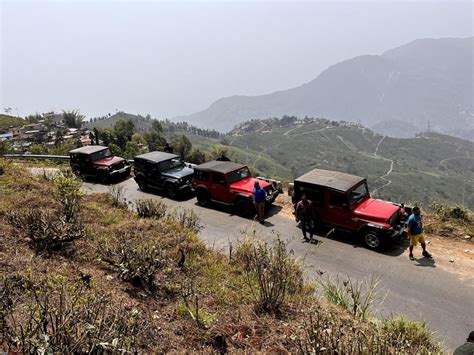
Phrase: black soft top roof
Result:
[219,166]
[332,179]
[89,149]
[156,156]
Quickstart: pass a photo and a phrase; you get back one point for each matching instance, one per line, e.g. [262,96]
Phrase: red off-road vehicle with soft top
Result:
[343,201]
[98,162]
[229,183]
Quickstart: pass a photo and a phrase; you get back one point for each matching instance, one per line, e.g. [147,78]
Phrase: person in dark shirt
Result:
[467,348]
[223,157]
[259,197]
[305,214]
[168,148]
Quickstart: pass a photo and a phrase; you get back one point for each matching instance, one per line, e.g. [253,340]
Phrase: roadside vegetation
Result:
[83,274]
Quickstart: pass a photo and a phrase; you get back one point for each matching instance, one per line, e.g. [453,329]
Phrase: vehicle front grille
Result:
[119,165]
[394,219]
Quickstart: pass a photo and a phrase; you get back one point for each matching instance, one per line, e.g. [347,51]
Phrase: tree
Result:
[106,136]
[197,157]
[115,149]
[123,131]
[96,135]
[73,119]
[154,139]
[131,150]
[182,146]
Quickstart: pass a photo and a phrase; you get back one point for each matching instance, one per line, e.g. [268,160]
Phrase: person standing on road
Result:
[468,347]
[415,232]
[259,197]
[305,214]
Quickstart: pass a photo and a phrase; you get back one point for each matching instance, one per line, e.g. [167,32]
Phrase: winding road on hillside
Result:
[421,290]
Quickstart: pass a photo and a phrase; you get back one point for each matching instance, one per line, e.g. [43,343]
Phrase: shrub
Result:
[186,218]
[53,314]
[137,261]
[271,273]
[445,211]
[403,334]
[355,297]
[149,208]
[68,195]
[330,332]
[46,232]
[118,196]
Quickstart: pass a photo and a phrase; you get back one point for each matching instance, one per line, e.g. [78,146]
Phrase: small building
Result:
[6,136]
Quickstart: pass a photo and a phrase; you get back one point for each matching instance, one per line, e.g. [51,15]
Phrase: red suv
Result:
[229,183]
[343,201]
[97,162]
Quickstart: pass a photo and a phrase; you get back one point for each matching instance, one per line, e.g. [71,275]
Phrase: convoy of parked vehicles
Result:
[339,200]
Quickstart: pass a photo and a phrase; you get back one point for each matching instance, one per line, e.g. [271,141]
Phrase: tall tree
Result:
[182,146]
[123,131]
[73,119]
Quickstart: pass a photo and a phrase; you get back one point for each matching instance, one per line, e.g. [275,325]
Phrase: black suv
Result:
[160,170]
[98,162]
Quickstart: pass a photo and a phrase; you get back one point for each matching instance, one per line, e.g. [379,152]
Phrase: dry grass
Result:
[195,300]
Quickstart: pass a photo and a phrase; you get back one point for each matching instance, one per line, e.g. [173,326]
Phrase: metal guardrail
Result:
[37,156]
[62,158]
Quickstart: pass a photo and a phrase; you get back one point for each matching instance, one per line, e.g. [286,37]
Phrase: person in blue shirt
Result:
[259,198]
[415,232]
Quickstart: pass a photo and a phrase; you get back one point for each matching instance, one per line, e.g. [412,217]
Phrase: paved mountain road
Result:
[420,290]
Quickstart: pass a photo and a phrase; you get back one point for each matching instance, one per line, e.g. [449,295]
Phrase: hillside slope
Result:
[426,168]
[425,80]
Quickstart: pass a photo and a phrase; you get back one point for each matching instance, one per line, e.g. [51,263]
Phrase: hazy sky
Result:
[174,58]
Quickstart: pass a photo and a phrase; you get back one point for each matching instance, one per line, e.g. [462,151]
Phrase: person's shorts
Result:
[415,239]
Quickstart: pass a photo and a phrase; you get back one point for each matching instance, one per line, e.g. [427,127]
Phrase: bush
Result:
[46,232]
[445,211]
[53,314]
[328,332]
[355,297]
[118,196]
[186,218]
[137,261]
[271,273]
[403,335]
[68,195]
[149,208]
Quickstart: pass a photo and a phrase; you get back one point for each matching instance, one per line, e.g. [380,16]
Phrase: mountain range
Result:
[424,85]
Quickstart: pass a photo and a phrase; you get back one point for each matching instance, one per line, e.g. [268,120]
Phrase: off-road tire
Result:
[244,207]
[202,197]
[171,191]
[142,185]
[372,239]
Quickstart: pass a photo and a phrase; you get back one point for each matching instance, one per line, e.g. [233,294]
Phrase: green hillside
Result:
[429,167]
[6,121]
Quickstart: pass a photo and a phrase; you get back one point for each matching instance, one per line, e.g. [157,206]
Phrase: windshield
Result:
[101,154]
[171,164]
[237,175]
[359,193]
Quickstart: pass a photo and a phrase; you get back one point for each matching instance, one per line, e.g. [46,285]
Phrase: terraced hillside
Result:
[428,167]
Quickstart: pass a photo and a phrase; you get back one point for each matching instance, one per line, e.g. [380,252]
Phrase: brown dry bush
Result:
[273,275]
[149,208]
[54,314]
[45,231]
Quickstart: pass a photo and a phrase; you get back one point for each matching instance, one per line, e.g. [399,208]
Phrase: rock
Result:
[467,237]
[109,277]
[467,251]
[428,242]
[451,260]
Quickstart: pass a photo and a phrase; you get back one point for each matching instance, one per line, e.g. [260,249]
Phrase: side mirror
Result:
[223,183]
